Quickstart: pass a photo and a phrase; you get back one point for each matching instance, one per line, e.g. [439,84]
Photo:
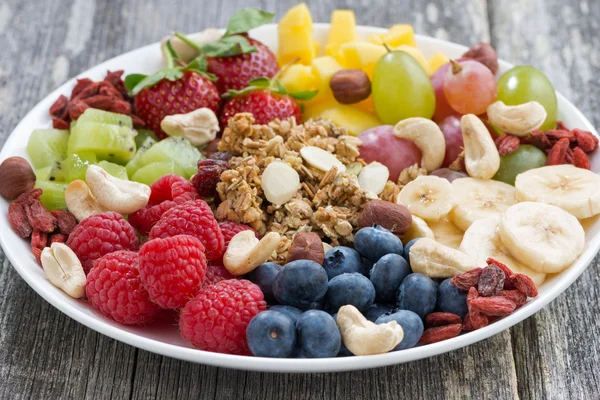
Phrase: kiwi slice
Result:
[135,162]
[142,135]
[46,146]
[152,172]
[105,117]
[118,171]
[176,149]
[108,142]
[75,166]
[53,197]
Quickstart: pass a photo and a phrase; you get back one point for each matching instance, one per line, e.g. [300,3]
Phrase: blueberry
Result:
[375,242]
[300,283]
[263,276]
[271,334]
[410,322]
[406,251]
[318,335]
[377,310]
[387,274]
[353,289]
[290,311]
[451,299]
[367,266]
[341,259]
[417,293]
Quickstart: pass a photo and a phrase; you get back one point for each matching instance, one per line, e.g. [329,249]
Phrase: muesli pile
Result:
[353,198]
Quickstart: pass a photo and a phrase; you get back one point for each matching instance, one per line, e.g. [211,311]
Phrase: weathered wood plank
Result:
[556,351]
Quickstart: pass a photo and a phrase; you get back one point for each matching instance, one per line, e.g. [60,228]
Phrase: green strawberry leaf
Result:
[198,64]
[304,95]
[246,19]
[132,80]
[228,46]
[260,83]
[171,74]
[279,87]
[172,53]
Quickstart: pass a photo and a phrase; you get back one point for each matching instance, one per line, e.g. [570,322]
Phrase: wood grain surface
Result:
[46,355]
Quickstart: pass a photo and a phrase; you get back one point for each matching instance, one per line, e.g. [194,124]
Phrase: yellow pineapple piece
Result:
[298,78]
[354,120]
[296,36]
[361,55]
[342,30]
[366,105]
[322,70]
[436,61]
[397,35]
[417,55]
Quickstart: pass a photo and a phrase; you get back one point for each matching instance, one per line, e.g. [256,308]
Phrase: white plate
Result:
[163,338]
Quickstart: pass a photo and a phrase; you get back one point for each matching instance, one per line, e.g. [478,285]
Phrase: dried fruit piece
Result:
[485,54]
[507,144]
[540,140]
[515,296]
[580,159]
[495,306]
[39,240]
[65,220]
[437,334]
[558,152]
[18,220]
[467,280]
[587,141]
[557,134]
[508,285]
[475,320]
[525,285]
[57,238]
[442,318]
[491,281]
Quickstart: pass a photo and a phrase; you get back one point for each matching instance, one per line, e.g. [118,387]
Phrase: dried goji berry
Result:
[442,318]
[507,144]
[100,102]
[88,91]
[525,285]
[562,126]
[495,306]
[540,140]
[569,156]
[473,294]
[557,134]
[580,159]
[467,280]
[491,281]
[39,240]
[59,106]
[474,320]
[60,124]
[114,78]
[58,237]
[76,108]
[39,218]
[37,253]
[65,221]
[515,296]
[437,334]
[587,141]
[120,107]
[137,121]
[557,154]
[80,85]
[17,217]
[507,272]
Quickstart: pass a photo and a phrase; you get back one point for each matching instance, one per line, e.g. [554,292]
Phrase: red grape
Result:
[380,144]
[470,87]
[442,108]
[454,141]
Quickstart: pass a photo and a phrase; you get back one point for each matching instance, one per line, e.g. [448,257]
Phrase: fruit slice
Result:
[428,197]
[57,172]
[75,165]
[108,142]
[46,146]
[342,30]
[446,233]
[573,189]
[295,36]
[361,55]
[42,174]
[142,135]
[118,171]
[354,120]
[152,172]
[175,149]
[322,70]
[418,229]
[298,78]
[105,117]
[53,197]
[481,241]
[476,199]
[436,61]
[400,34]
[544,237]
[135,163]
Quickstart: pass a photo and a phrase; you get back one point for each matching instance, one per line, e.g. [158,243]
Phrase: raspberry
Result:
[167,192]
[216,319]
[209,174]
[193,218]
[114,288]
[230,229]
[172,269]
[216,273]
[101,234]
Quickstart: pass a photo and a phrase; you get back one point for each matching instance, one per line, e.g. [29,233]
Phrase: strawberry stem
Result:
[168,52]
[188,41]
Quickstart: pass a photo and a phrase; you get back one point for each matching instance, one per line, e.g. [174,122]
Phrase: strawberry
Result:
[266,100]
[235,59]
[172,90]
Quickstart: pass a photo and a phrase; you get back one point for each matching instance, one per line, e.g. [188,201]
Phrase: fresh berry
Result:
[353,288]
[411,324]
[263,276]
[377,310]
[342,259]
[209,174]
[193,218]
[101,234]
[216,273]
[451,300]
[114,288]
[406,250]
[417,293]
[189,92]
[167,192]
[300,283]
[375,242]
[386,276]
[230,229]
[292,312]
[217,318]
[172,269]
[264,105]
[318,335]
[271,334]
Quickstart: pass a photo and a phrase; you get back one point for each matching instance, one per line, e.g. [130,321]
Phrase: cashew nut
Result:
[435,260]
[418,229]
[245,252]
[427,136]
[187,53]
[80,201]
[363,337]
[64,270]
[199,126]
[116,194]
[519,120]
[481,155]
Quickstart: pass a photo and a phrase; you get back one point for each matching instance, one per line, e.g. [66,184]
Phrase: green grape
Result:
[401,89]
[526,157]
[526,83]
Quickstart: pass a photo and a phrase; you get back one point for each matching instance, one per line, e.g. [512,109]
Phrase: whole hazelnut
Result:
[485,54]
[306,246]
[394,217]
[350,86]
[16,177]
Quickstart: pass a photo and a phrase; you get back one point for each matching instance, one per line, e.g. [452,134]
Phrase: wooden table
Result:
[46,355]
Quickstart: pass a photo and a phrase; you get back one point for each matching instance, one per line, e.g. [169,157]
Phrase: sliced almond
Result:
[373,177]
[321,159]
[280,182]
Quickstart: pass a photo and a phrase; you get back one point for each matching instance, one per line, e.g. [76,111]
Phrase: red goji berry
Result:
[525,285]
[540,140]
[474,320]
[60,124]
[507,144]
[442,318]
[557,134]
[587,141]
[437,334]
[562,126]
[80,85]
[65,220]
[58,238]
[495,306]
[515,296]
[17,218]
[580,159]
[467,280]
[57,108]
[557,154]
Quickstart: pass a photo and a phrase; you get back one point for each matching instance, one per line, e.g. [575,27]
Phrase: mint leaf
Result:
[132,80]
[171,74]
[304,95]
[246,19]
[228,46]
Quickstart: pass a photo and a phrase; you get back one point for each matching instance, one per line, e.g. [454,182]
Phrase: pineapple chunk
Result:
[397,35]
[295,36]
[322,70]
[417,55]
[354,120]
[343,30]
[366,105]
[298,78]
[361,55]
[436,61]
